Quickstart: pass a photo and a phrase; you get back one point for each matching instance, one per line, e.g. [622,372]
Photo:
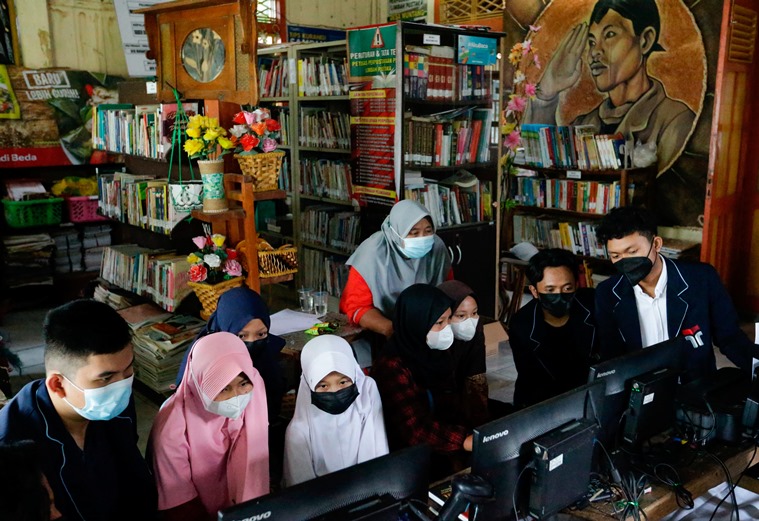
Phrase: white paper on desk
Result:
[748,505]
[289,321]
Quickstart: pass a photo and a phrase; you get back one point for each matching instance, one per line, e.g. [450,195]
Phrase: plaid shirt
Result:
[408,416]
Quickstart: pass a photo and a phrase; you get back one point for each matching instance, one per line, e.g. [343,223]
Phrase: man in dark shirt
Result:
[82,417]
[553,336]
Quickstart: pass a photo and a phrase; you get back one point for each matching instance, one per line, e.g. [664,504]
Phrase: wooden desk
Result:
[703,474]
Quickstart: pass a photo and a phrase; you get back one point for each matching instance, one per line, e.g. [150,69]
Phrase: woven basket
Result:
[209,294]
[275,263]
[263,168]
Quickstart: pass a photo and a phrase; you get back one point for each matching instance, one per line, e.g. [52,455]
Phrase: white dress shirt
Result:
[652,312]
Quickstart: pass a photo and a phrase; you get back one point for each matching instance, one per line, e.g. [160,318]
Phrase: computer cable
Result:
[530,465]
[730,493]
[732,489]
[668,475]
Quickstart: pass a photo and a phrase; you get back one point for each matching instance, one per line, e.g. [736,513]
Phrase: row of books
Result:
[324,129]
[459,199]
[139,200]
[283,116]
[141,130]
[544,231]
[577,146]
[563,194]
[330,226]
[162,276]
[283,181]
[322,76]
[326,178]
[273,76]
[431,73]
[26,260]
[455,138]
[160,340]
[322,270]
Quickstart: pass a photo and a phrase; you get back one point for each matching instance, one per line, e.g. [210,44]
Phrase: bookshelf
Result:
[560,207]
[305,86]
[446,144]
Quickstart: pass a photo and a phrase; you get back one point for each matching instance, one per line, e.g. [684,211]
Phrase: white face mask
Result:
[231,408]
[465,329]
[440,340]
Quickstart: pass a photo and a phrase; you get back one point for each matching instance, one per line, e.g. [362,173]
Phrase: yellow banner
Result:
[368,190]
[368,94]
[372,120]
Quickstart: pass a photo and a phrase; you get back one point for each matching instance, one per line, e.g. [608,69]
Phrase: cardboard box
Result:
[495,333]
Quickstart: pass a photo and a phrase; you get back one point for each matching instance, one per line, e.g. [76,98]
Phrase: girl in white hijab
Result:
[338,414]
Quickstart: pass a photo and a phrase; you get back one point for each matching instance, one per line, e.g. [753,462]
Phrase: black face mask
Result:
[635,269]
[557,304]
[336,402]
[256,347]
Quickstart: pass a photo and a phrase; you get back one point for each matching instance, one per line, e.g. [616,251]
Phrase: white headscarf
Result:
[383,266]
[316,442]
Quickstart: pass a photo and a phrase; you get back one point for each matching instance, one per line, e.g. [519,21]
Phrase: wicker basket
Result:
[263,168]
[275,263]
[209,294]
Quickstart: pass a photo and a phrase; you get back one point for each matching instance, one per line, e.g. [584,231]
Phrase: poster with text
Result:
[372,55]
[134,39]
[407,10]
[56,117]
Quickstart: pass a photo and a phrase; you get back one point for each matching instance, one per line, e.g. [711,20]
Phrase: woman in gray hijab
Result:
[405,251]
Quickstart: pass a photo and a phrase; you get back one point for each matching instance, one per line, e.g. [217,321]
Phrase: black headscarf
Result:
[469,356]
[417,309]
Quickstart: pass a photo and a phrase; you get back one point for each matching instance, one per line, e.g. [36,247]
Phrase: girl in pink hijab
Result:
[210,439]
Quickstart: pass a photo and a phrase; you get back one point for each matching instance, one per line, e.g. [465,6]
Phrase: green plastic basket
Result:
[39,212]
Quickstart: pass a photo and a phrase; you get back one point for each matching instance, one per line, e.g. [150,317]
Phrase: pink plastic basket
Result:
[84,209]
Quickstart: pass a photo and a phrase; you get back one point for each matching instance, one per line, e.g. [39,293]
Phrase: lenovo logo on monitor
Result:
[606,373]
[495,436]
[258,517]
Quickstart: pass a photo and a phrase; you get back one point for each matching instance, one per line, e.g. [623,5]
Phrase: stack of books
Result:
[160,340]
[27,260]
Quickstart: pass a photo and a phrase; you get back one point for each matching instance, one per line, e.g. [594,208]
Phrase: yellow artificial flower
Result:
[197,121]
[212,122]
[193,259]
[508,128]
[193,132]
[218,239]
[193,146]
[226,143]
[212,134]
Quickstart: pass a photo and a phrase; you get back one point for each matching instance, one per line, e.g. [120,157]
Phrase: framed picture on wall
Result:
[8,39]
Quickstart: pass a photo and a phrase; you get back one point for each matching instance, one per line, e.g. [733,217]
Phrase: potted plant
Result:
[256,137]
[208,143]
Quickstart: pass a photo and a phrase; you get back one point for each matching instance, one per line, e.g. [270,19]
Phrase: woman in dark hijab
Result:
[416,377]
[242,311]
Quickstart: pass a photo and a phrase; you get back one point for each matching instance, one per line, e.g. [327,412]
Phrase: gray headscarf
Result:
[381,263]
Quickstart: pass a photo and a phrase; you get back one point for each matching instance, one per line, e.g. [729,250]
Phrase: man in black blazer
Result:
[653,298]
[553,336]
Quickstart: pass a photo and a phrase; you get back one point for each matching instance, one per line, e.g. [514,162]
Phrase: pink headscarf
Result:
[197,453]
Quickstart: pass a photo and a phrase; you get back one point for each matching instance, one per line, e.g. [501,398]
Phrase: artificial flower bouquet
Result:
[213,262]
[254,132]
[208,139]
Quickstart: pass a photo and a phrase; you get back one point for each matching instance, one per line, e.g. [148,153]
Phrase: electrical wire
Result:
[516,487]
[732,489]
[730,484]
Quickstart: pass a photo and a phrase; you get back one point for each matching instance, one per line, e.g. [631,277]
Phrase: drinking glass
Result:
[320,303]
[306,297]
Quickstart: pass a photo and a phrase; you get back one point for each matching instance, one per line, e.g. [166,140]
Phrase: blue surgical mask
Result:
[104,403]
[417,247]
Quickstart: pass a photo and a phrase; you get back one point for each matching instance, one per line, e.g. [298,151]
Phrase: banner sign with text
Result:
[371,56]
[303,33]
[407,10]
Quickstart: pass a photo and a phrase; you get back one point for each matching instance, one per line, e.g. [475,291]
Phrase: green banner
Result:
[371,51]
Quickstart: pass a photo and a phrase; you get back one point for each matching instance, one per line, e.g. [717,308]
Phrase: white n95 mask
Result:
[440,340]
[465,329]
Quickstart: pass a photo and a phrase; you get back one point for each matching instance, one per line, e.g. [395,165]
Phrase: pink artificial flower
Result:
[516,104]
[530,89]
[526,47]
[536,60]
[269,144]
[198,273]
[199,241]
[534,28]
[233,268]
[513,140]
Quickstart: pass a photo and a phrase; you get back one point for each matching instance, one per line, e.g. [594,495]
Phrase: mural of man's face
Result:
[615,52]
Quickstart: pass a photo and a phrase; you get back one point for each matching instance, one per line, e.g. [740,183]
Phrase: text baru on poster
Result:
[372,60]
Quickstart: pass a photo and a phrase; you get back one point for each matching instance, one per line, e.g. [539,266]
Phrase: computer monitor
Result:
[502,449]
[653,372]
[374,490]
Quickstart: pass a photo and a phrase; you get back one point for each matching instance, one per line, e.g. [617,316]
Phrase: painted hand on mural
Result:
[565,66]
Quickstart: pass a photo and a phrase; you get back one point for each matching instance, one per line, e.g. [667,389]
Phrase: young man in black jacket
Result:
[653,298]
[553,336]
